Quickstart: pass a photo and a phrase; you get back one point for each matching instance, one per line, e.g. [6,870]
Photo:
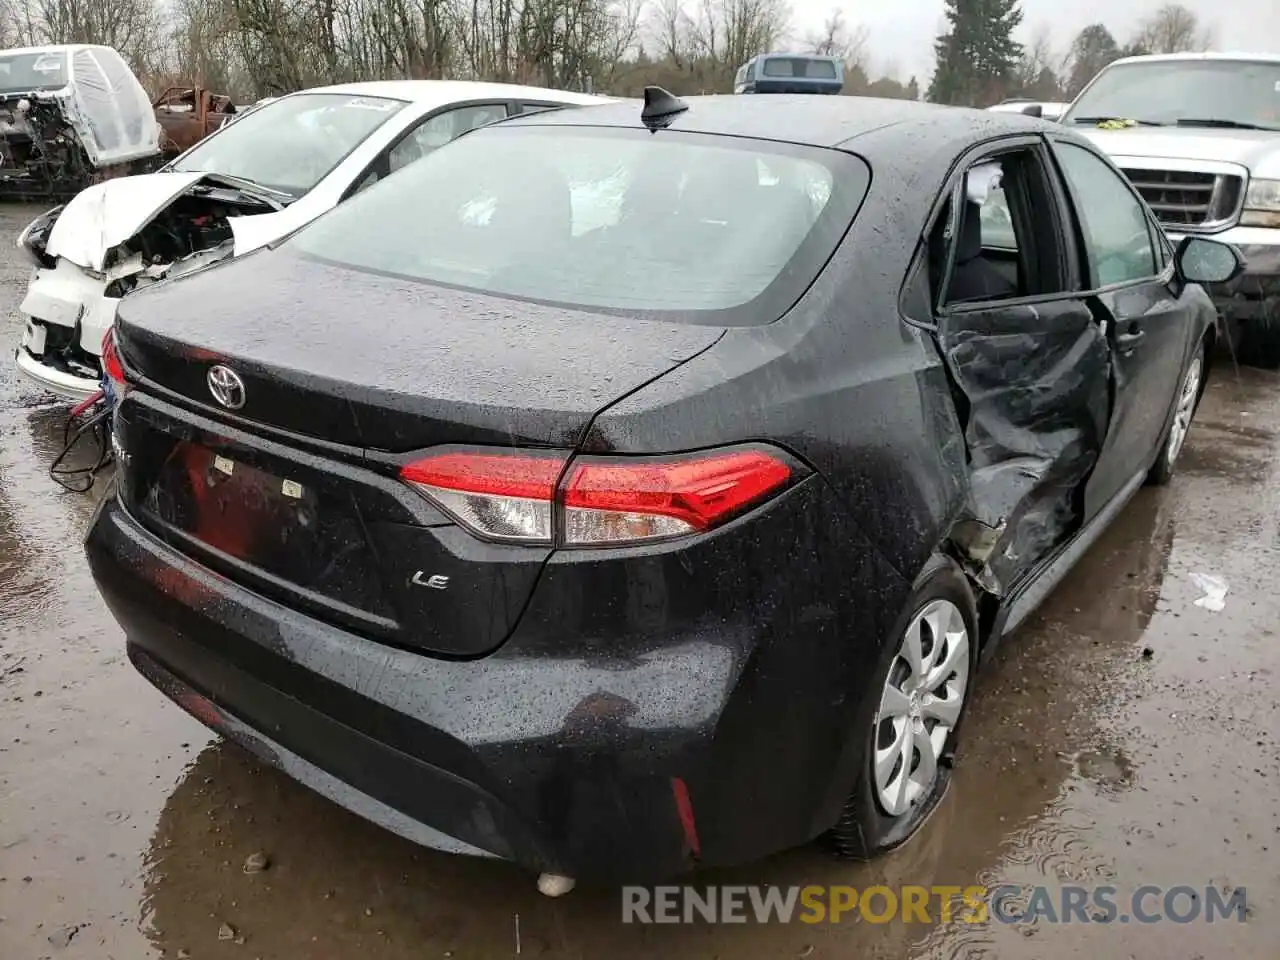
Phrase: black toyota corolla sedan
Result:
[620,490]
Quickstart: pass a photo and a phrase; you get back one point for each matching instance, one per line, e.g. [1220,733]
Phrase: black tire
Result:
[1259,343]
[864,829]
[1165,467]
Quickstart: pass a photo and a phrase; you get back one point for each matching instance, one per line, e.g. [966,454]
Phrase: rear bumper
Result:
[340,792]
[572,747]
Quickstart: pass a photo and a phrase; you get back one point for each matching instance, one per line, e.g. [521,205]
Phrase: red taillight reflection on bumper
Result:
[530,497]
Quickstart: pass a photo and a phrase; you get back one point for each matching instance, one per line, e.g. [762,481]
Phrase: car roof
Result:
[812,119]
[1171,57]
[440,92]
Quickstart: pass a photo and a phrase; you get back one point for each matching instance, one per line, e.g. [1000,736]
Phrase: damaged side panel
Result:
[1036,397]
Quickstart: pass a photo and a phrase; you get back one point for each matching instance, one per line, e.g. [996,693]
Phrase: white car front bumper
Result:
[70,298]
[58,382]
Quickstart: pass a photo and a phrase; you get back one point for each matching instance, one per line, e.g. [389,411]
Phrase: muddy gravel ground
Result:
[1126,736]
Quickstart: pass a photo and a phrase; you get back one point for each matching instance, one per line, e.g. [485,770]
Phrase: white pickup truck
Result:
[1199,136]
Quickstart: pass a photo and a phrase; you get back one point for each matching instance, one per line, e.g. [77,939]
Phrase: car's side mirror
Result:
[1033,110]
[1201,260]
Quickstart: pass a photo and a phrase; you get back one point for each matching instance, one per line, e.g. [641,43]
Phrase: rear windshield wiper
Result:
[1126,120]
[1223,124]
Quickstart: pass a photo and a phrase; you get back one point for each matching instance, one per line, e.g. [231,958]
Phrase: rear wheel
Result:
[922,685]
[1185,402]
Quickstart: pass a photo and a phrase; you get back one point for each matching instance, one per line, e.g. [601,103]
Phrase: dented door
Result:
[1037,399]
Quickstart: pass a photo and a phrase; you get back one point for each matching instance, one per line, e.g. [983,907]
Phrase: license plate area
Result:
[283,535]
[239,509]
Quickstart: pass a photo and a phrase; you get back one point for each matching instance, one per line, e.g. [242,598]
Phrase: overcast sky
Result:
[902,31]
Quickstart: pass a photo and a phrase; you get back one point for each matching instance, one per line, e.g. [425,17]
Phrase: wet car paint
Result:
[132,823]
[777,587]
[412,366]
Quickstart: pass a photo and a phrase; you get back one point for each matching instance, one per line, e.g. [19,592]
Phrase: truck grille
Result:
[1187,199]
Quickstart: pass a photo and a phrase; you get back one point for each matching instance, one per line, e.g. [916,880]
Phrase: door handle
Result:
[1127,341]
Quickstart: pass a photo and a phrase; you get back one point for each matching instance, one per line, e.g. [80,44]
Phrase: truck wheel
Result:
[1259,344]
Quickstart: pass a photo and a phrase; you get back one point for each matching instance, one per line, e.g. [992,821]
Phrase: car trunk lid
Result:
[346,376]
[374,361]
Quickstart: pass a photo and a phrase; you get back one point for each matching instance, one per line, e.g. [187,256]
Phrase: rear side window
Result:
[719,230]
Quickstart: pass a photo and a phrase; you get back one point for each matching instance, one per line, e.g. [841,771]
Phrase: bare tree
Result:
[131,26]
[1036,77]
[730,32]
[672,30]
[838,39]
[1172,29]
[252,48]
[201,47]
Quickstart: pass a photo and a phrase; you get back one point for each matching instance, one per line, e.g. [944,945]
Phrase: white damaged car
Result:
[247,185]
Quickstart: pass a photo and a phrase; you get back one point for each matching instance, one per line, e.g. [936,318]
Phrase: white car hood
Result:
[107,214]
[1256,150]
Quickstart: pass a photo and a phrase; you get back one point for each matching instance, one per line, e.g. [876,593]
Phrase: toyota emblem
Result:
[226,386]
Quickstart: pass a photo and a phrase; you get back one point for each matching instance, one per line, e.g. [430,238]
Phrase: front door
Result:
[1130,275]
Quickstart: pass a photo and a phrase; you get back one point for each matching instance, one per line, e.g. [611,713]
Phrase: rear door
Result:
[1129,282]
[1029,363]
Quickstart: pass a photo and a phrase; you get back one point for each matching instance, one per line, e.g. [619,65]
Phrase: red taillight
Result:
[611,500]
[111,364]
[527,496]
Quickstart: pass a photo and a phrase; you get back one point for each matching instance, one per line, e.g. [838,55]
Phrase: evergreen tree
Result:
[977,58]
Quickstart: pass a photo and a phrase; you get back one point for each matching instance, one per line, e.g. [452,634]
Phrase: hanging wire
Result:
[90,418]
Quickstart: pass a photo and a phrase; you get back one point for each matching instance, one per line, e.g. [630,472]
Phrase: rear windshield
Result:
[725,230]
[805,67]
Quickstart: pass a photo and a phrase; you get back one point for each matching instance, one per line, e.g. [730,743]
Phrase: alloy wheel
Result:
[920,705]
[1185,409]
